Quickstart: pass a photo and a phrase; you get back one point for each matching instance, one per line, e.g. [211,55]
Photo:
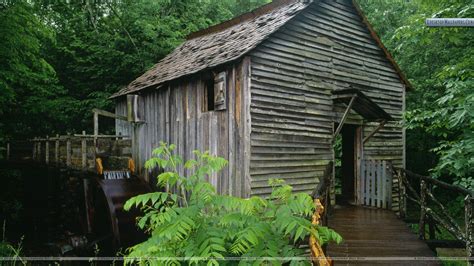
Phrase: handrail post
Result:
[96,130]
[46,150]
[56,150]
[469,219]
[84,150]
[38,150]
[421,229]
[402,193]
[33,155]
[68,150]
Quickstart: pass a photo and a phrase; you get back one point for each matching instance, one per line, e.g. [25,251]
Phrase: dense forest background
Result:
[60,59]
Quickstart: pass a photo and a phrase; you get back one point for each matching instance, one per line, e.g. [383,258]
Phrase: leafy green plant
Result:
[8,250]
[191,222]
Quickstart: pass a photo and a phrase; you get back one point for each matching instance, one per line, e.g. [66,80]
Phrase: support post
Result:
[88,206]
[423,206]
[68,150]
[56,149]
[46,150]
[402,195]
[96,129]
[84,150]
[469,213]
[8,151]
[38,150]
[34,149]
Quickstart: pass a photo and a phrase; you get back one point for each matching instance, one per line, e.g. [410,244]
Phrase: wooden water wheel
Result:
[107,216]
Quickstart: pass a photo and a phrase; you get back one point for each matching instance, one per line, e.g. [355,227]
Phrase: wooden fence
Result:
[375,184]
[77,151]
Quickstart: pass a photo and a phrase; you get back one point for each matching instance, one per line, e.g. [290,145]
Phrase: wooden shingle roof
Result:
[216,48]
[229,41]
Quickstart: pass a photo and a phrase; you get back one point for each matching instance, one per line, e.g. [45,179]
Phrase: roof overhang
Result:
[362,104]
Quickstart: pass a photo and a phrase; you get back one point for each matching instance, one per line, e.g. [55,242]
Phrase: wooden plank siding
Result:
[326,47]
[174,114]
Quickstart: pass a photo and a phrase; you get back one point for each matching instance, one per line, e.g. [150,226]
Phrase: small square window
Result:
[209,95]
[214,94]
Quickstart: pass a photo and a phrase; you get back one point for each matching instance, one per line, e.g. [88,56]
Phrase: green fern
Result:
[190,220]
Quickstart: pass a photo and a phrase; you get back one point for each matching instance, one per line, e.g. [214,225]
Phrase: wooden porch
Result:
[376,236]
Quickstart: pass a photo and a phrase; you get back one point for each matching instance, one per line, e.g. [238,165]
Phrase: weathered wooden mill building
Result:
[269,90]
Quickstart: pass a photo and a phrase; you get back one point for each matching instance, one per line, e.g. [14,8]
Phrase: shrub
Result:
[191,222]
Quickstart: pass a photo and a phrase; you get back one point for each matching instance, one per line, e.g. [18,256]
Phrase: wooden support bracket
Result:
[380,126]
[344,117]
[109,114]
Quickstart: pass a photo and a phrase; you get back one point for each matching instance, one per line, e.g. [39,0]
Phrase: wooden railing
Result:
[321,196]
[434,214]
[77,151]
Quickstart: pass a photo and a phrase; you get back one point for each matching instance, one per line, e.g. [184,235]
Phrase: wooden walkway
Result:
[378,235]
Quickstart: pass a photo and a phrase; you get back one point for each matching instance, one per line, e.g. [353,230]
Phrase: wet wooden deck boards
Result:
[377,235]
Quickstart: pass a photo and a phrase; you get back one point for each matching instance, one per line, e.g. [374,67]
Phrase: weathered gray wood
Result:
[437,182]
[279,117]
[56,150]
[46,150]
[68,151]
[39,151]
[389,183]
[109,114]
[379,184]
[246,123]
[469,218]
[87,201]
[384,186]
[374,184]
[96,128]
[84,151]
[344,117]
[361,195]
[450,221]
[367,183]
[374,131]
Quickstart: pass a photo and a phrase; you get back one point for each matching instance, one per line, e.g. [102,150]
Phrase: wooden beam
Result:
[56,150]
[68,151]
[84,151]
[439,183]
[344,117]
[99,136]
[96,130]
[380,126]
[109,114]
[46,150]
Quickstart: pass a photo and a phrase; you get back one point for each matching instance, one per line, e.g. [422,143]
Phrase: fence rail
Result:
[434,214]
[77,151]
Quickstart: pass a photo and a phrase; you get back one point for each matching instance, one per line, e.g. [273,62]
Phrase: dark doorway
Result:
[346,164]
